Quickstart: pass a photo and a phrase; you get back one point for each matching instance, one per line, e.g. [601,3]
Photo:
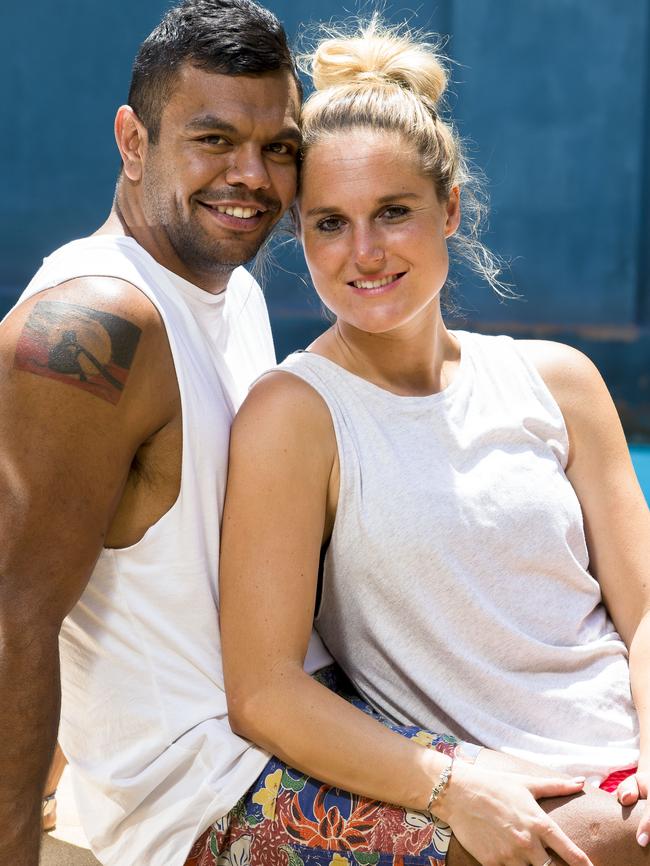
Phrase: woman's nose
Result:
[369,249]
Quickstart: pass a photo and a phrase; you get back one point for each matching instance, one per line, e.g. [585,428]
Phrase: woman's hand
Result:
[496,818]
[631,790]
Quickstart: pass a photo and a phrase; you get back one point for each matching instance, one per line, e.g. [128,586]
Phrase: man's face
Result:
[222,172]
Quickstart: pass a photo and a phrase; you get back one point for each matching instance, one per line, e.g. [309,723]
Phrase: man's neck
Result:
[126,221]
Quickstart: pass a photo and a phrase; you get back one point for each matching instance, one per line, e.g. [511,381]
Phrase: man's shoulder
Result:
[76,293]
[99,272]
[112,257]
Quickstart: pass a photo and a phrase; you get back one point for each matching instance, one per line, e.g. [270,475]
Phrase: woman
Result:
[443,478]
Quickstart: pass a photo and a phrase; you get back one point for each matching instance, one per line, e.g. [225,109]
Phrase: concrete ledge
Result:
[67,845]
[55,852]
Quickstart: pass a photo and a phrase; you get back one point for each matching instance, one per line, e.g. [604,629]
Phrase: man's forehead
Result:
[201,93]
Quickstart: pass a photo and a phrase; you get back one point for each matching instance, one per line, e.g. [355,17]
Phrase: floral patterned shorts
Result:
[289,819]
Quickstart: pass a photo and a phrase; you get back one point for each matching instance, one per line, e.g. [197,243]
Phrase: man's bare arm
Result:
[76,365]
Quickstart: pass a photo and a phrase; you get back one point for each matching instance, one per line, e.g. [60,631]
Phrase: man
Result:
[120,370]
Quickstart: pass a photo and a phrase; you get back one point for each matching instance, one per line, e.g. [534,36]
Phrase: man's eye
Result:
[329,224]
[395,211]
[213,140]
[281,149]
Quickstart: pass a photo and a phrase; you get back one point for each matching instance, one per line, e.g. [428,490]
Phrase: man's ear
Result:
[453,212]
[132,140]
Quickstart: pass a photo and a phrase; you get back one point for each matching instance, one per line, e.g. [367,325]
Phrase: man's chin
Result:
[218,258]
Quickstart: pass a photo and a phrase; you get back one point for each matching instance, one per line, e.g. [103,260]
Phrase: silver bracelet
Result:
[441,784]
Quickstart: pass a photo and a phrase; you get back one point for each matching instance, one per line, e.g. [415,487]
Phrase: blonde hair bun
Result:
[379,54]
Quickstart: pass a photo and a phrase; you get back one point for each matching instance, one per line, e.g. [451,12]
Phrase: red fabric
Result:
[612,782]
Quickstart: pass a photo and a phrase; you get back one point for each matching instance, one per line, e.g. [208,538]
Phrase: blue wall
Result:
[552,93]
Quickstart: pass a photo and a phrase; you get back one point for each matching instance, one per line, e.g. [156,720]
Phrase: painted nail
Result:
[643,839]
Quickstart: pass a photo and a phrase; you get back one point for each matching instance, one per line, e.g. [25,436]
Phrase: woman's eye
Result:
[329,224]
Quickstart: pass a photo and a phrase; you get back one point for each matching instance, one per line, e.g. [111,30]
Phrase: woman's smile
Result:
[376,285]
[374,230]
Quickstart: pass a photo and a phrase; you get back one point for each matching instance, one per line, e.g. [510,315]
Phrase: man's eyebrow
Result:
[213,122]
[398,196]
[289,133]
[210,121]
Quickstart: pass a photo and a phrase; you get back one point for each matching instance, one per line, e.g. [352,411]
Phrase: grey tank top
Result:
[456,591]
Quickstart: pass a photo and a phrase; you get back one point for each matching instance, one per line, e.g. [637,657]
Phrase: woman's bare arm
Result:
[617,522]
[282,455]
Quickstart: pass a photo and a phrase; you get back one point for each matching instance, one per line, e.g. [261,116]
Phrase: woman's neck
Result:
[421,359]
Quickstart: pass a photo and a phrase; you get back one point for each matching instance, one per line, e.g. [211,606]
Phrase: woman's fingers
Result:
[496,818]
[557,842]
[643,830]
[628,791]
[553,786]
[631,790]
[553,837]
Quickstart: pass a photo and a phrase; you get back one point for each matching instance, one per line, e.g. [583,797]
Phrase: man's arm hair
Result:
[75,370]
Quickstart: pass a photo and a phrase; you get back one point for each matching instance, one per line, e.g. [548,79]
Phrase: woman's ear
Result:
[453,212]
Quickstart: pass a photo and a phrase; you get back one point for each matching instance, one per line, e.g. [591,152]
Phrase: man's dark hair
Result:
[232,37]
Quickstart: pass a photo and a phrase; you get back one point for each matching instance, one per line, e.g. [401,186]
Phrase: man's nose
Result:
[248,168]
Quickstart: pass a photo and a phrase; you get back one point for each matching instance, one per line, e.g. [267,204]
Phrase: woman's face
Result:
[373,229]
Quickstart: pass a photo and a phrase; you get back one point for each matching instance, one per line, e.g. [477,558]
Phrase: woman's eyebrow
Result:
[325,209]
[396,195]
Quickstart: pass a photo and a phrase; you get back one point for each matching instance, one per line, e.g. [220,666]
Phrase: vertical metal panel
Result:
[68,66]
[553,92]
[643,289]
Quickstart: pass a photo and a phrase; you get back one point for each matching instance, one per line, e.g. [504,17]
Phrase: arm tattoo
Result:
[89,349]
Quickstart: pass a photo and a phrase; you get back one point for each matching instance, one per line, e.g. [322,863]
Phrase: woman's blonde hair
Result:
[389,78]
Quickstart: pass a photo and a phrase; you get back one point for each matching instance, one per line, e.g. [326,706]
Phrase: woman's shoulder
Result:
[561,366]
[571,377]
[281,411]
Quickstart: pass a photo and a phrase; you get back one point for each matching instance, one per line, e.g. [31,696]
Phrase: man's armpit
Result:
[87,348]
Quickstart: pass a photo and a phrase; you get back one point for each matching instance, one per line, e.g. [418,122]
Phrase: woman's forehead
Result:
[359,158]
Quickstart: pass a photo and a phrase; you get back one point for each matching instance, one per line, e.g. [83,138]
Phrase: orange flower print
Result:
[330,830]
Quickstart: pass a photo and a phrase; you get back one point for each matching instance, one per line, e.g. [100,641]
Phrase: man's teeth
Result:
[242,212]
[373,284]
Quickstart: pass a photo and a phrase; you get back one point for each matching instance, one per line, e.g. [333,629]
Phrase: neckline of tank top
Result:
[185,287]
[445,395]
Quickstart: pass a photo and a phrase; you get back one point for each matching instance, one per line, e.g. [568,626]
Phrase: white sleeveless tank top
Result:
[456,593]
[144,717]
